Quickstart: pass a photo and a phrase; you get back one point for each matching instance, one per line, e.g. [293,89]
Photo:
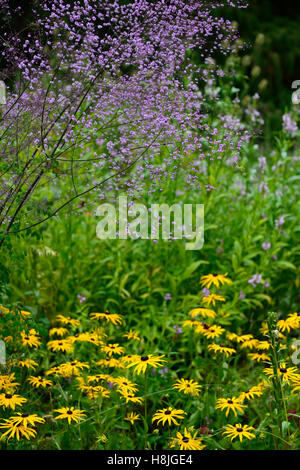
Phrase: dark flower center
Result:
[69,412]
[24,415]
[144,358]
[230,402]
[73,363]
[283,370]
[185,439]
[215,274]
[8,395]
[239,429]
[167,412]
[107,313]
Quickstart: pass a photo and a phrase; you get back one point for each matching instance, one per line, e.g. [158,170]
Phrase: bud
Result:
[255,72]
[260,39]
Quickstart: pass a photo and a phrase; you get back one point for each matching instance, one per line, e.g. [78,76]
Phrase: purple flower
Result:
[163,372]
[168,297]
[279,222]
[289,125]
[266,246]
[242,295]
[255,280]
[178,329]
[81,298]
[206,292]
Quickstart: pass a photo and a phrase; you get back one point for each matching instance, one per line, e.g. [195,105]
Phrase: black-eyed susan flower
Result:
[39,382]
[111,349]
[220,349]
[67,320]
[169,415]
[58,332]
[240,431]
[215,279]
[210,331]
[9,400]
[230,404]
[238,338]
[30,339]
[110,362]
[132,335]
[67,369]
[187,441]
[286,325]
[203,311]
[263,345]
[98,377]
[129,358]
[255,391]
[188,387]
[114,318]
[250,343]
[259,356]
[26,419]
[141,363]
[212,299]
[7,382]
[124,384]
[28,363]
[71,414]
[191,322]
[294,319]
[129,396]
[63,345]
[16,430]
[132,417]
[287,374]
[93,391]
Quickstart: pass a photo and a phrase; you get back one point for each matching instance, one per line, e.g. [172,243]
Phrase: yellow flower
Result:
[259,356]
[8,400]
[30,339]
[187,441]
[63,345]
[287,374]
[28,363]
[188,387]
[39,382]
[132,417]
[7,382]
[4,310]
[286,325]
[110,362]
[215,279]
[230,404]
[26,419]
[129,397]
[142,362]
[16,430]
[204,312]
[240,431]
[250,343]
[211,299]
[256,390]
[111,349]
[132,335]
[217,348]
[67,369]
[129,358]
[192,322]
[58,331]
[93,391]
[70,414]
[209,331]
[294,319]
[238,338]
[124,384]
[67,320]
[263,345]
[114,318]
[169,415]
